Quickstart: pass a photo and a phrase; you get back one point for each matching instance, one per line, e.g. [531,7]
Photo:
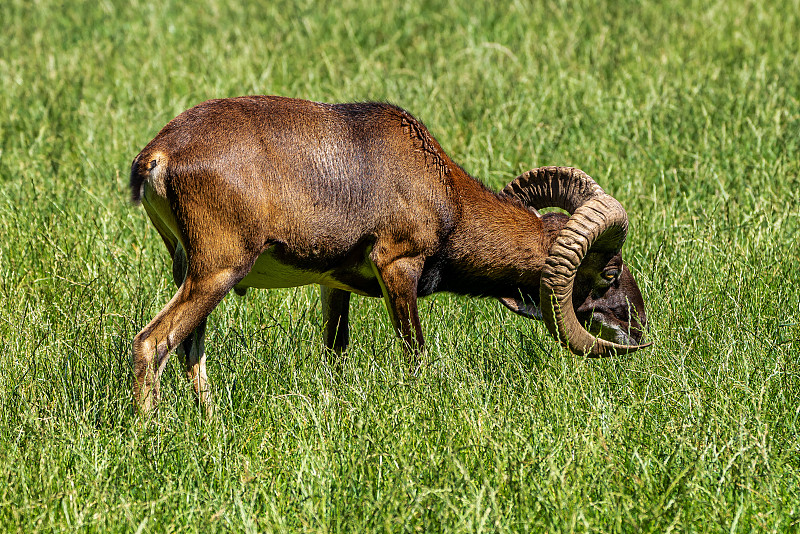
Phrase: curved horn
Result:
[567,188]
[600,224]
[598,221]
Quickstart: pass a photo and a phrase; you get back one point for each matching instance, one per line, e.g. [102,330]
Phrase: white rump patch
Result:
[157,174]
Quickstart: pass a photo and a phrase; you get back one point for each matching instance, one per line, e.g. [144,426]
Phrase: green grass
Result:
[686,111]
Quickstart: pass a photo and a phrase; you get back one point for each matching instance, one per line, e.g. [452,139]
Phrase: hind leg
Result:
[192,350]
[193,357]
[200,292]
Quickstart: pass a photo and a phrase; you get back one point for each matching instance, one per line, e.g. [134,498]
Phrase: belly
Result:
[269,272]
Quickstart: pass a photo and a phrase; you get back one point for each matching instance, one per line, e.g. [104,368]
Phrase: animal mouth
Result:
[614,333]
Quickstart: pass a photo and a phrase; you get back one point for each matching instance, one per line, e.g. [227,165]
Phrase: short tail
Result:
[138,176]
[142,169]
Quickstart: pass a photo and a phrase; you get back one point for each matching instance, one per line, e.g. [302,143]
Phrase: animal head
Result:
[607,300]
[588,298]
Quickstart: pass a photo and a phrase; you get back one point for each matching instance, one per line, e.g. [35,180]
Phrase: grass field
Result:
[686,111]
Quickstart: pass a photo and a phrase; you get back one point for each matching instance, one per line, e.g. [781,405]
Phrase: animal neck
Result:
[498,249]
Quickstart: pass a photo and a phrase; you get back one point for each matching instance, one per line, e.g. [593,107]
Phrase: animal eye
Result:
[609,275]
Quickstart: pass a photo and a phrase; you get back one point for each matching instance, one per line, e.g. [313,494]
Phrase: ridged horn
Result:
[567,188]
[598,221]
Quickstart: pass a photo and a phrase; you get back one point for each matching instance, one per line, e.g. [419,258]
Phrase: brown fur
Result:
[275,192]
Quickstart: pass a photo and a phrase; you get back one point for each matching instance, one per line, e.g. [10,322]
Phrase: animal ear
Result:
[520,307]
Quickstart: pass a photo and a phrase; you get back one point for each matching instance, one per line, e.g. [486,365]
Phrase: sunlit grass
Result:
[687,112]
